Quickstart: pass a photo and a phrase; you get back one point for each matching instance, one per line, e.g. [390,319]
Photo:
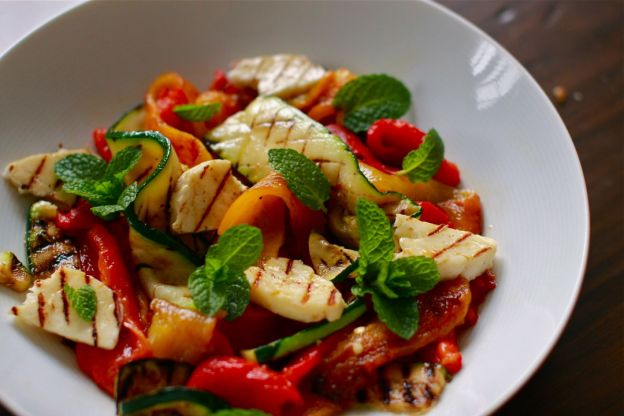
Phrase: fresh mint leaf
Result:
[412,276]
[238,247]
[305,179]
[401,315]
[423,163]
[79,166]
[97,192]
[107,212]
[128,195]
[83,301]
[368,98]
[197,112]
[123,162]
[376,242]
[221,284]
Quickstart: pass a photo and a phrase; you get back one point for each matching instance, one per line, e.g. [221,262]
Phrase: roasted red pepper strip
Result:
[391,140]
[99,140]
[358,148]
[102,365]
[433,213]
[76,219]
[448,174]
[245,384]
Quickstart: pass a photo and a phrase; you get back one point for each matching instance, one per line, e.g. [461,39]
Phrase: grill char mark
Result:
[37,172]
[222,184]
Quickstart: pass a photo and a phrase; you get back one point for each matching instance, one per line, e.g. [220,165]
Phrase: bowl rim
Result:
[522,379]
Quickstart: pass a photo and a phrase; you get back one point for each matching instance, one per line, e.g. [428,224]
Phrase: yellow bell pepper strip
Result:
[270,205]
[167,91]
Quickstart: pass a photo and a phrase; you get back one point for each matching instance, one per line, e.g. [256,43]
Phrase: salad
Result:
[280,243]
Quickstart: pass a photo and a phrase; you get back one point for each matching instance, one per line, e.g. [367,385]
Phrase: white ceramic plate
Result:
[86,67]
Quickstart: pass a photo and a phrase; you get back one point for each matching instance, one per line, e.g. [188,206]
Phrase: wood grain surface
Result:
[579,47]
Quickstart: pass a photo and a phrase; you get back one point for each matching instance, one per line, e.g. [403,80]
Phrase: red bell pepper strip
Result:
[432,213]
[245,384]
[358,148]
[76,219]
[448,353]
[99,140]
[168,98]
[448,174]
[479,287]
[102,365]
[391,140]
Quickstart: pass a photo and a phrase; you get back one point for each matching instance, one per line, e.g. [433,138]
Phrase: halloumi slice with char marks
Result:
[456,252]
[48,307]
[202,195]
[281,75]
[35,175]
[291,289]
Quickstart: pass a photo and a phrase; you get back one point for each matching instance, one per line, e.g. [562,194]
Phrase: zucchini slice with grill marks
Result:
[149,375]
[163,262]
[173,401]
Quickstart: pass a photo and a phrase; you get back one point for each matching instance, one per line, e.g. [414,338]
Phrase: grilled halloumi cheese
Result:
[291,289]
[48,307]
[329,260]
[35,175]
[456,252]
[202,195]
[281,75]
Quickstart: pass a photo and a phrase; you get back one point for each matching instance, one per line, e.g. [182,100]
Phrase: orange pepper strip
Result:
[191,151]
[264,205]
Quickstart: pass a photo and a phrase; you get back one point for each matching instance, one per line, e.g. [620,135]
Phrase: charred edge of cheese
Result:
[202,195]
[48,307]
[328,259]
[456,252]
[291,289]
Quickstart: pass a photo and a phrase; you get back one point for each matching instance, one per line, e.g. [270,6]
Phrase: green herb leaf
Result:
[97,192]
[83,301]
[422,164]
[368,98]
[305,179]
[376,242]
[123,162]
[126,198]
[107,212]
[128,195]
[411,276]
[221,284]
[79,166]
[238,247]
[401,316]
[197,112]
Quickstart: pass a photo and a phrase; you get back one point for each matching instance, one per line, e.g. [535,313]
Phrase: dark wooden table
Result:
[579,46]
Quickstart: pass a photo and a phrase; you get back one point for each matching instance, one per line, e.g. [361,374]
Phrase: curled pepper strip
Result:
[272,207]
[191,151]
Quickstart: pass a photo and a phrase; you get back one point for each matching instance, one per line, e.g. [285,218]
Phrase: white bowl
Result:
[86,67]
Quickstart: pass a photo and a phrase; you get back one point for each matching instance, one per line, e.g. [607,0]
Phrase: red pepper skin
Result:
[433,213]
[448,174]
[245,384]
[391,140]
[114,274]
[76,219]
[358,148]
[99,140]
[448,353]
[304,363]
[167,100]
[479,287]
[102,365]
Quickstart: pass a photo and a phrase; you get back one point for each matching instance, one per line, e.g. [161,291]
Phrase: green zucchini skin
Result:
[284,346]
[181,401]
[131,120]
[148,375]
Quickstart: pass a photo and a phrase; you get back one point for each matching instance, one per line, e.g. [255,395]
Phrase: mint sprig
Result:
[221,283]
[197,112]
[304,178]
[368,98]
[82,300]
[392,284]
[423,163]
[101,184]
